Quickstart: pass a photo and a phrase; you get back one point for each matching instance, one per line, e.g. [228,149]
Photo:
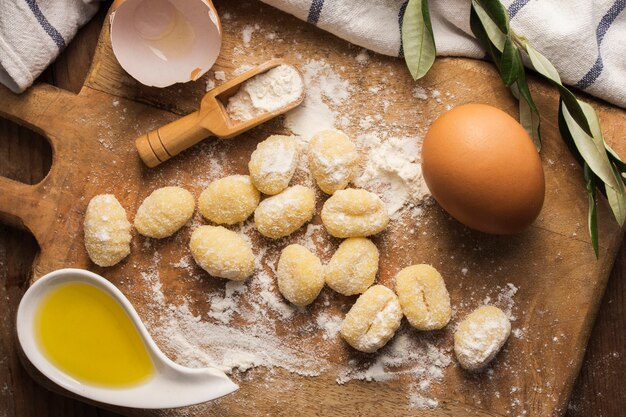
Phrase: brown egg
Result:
[482,167]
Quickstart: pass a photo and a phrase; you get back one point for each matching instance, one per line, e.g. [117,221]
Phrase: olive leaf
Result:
[541,64]
[529,118]
[496,36]
[510,63]
[591,149]
[418,39]
[621,165]
[497,13]
[479,31]
[592,217]
[617,198]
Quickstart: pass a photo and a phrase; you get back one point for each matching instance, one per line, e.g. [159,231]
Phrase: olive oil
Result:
[85,333]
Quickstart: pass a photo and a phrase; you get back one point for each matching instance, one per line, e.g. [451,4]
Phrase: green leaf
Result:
[542,65]
[497,13]
[617,198]
[591,149]
[592,218]
[510,63]
[531,122]
[417,38]
[567,136]
[573,107]
[496,36]
[614,157]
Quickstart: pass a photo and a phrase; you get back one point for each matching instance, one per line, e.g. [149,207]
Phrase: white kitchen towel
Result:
[33,33]
[584,39]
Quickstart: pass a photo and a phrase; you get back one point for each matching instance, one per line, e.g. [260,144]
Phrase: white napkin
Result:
[33,33]
[585,40]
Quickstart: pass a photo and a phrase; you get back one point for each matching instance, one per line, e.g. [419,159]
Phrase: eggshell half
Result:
[189,48]
[482,168]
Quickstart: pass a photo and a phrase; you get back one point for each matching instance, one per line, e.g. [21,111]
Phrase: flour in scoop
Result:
[265,93]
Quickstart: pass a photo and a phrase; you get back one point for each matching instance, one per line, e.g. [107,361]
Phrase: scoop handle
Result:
[166,141]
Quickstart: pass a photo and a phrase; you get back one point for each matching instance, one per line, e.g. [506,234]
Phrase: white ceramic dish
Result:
[171,385]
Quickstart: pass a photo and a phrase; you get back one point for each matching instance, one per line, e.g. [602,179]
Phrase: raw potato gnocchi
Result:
[332,160]
[229,200]
[423,296]
[222,252]
[164,211]
[372,320]
[354,213]
[283,214]
[300,275]
[480,336]
[273,163]
[353,267]
[107,230]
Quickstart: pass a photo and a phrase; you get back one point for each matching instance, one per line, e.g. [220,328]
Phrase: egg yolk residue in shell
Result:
[483,169]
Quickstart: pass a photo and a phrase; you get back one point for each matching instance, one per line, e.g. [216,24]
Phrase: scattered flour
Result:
[220,75]
[323,87]
[392,169]
[246,34]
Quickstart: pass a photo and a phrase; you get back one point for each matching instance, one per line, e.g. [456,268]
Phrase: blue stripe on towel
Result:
[516,6]
[315,11]
[400,20]
[50,30]
[604,25]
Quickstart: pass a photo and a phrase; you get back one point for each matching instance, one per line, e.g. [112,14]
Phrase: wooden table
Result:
[26,157]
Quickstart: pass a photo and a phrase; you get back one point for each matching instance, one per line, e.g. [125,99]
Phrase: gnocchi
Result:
[372,320]
[354,213]
[273,163]
[300,275]
[353,267]
[332,159]
[222,252]
[283,214]
[107,230]
[423,296]
[229,200]
[480,336]
[164,212]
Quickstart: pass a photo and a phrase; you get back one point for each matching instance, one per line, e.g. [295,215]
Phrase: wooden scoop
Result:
[211,120]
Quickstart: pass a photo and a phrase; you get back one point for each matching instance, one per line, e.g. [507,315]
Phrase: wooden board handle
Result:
[161,144]
[14,196]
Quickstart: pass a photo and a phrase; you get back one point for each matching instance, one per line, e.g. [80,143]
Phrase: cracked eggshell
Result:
[162,42]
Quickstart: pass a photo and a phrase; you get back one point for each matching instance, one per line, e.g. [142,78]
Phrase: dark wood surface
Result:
[26,157]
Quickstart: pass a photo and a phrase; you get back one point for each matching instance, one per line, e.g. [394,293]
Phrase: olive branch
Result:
[578,122]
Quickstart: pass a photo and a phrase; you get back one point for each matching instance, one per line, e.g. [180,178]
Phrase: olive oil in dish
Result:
[86,333]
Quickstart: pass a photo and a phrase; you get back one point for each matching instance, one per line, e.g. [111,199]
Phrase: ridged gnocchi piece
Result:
[300,275]
[229,200]
[423,296]
[273,163]
[372,320]
[164,211]
[283,214]
[353,267]
[332,159]
[222,252]
[480,336]
[354,213]
[107,230]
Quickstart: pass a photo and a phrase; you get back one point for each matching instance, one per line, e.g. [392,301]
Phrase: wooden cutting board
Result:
[559,281]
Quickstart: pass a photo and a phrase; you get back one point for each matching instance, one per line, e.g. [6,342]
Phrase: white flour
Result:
[392,169]
[265,93]
[324,87]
